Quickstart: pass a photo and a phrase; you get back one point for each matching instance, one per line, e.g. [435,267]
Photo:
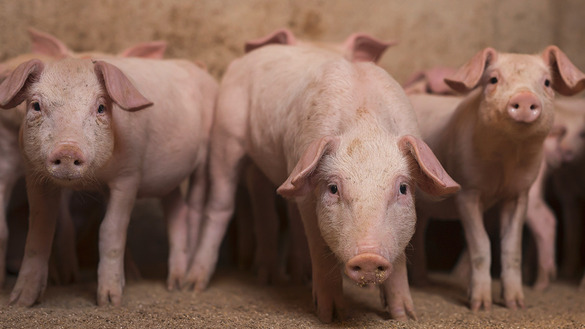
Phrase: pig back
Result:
[166,141]
[295,95]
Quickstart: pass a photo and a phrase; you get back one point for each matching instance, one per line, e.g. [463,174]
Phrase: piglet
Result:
[357,47]
[46,47]
[492,144]
[89,126]
[341,139]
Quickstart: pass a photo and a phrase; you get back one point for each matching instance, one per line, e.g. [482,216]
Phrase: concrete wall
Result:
[430,32]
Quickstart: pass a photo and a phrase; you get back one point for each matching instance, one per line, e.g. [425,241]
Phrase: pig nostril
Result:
[533,107]
[76,162]
[516,106]
[356,268]
[381,268]
[57,162]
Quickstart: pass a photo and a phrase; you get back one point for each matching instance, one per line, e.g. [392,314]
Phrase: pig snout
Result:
[67,161]
[524,107]
[368,268]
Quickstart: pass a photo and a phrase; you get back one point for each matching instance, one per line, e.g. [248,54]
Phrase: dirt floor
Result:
[235,300]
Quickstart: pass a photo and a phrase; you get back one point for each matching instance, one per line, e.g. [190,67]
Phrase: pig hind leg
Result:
[225,161]
[175,210]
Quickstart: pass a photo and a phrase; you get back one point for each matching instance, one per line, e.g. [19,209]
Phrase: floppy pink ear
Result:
[362,47]
[567,78]
[119,88]
[13,87]
[281,36]
[469,75]
[46,44]
[298,182]
[151,49]
[432,177]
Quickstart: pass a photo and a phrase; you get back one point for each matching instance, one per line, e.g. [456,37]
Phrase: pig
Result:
[567,177]
[492,144]
[89,126]
[357,47]
[430,81]
[341,139]
[45,47]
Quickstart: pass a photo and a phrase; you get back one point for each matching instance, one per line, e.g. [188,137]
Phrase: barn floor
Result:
[235,300]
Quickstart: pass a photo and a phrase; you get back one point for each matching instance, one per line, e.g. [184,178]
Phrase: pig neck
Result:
[493,162]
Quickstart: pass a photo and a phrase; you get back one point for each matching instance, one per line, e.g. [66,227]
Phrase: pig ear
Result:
[46,44]
[432,177]
[298,182]
[13,87]
[469,75]
[282,37]
[119,88]
[567,79]
[362,47]
[152,49]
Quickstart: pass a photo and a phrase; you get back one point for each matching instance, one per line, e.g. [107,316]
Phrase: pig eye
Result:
[36,106]
[333,189]
[101,109]
[494,80]
[547,82]
[403,189]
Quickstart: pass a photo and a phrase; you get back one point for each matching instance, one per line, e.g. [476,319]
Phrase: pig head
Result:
[366,225]
[70,144]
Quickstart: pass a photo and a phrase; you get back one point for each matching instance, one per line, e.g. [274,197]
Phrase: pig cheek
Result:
[331,222]
[36,137]
[102,141]
[402,223]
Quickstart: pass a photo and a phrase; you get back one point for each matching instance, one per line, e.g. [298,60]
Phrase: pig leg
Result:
[419,259]
[542,223]
[299,257]
[395,292]
[112,243]
[512,221]
[327,282]
[196,202]
[265,219]
[32,278]
[64,253]
[224,167]
[175,210]
[468,204]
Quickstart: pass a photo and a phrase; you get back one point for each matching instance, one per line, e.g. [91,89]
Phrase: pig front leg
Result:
[32,278]
[395,293]
[469,207]
[196,202]
[175,210]
[112,243]
[327,281]
[512,221]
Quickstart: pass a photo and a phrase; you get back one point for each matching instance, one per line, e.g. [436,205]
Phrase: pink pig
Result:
[46,48]
[568,177]
[341,139]
[357,47]
[492,143]
[88,126]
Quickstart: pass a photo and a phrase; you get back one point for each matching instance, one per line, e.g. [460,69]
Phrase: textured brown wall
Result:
[430,32]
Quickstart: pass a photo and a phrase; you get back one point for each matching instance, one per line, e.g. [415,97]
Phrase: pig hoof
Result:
[477,304]
[515,304]
[109,297]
